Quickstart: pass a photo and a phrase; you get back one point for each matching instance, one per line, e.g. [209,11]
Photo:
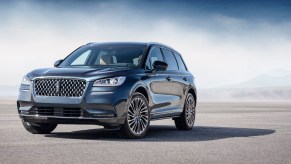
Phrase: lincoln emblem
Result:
[58,87]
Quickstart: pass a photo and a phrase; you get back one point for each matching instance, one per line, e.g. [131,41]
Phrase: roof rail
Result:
[90,43]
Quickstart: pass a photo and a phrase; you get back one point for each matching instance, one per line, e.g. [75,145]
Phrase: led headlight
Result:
[114,81]
[25,80]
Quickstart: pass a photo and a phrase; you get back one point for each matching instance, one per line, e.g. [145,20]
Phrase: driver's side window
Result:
[154,55]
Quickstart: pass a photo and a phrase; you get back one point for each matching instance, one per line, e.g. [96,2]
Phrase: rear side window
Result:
[181,64]
[170,59]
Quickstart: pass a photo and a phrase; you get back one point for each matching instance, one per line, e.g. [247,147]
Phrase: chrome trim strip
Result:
[24,90]
[177,110]
[77,118]
[60,77]
[101,93]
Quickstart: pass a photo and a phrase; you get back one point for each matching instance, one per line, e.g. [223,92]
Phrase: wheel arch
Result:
[143,91]
[193,91]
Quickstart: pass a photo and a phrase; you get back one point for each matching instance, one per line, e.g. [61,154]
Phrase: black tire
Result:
[137,123]
[111,127]
[38,128]
[187,118]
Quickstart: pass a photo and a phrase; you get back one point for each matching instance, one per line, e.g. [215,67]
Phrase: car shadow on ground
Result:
[166,133]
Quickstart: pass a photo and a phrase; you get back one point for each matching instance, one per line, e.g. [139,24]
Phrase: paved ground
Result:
[224,133]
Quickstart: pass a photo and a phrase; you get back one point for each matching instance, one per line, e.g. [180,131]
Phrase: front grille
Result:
[50,111]
[59,87]
[72,112]
[47,111]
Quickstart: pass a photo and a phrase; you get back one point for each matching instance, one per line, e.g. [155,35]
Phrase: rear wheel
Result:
[137,120]
[187,118]
[35,128]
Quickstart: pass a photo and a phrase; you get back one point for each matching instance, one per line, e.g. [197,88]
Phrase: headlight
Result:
[25,80]
[114,81]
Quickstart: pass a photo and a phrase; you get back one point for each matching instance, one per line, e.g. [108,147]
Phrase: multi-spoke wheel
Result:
[187,119]
[138,118]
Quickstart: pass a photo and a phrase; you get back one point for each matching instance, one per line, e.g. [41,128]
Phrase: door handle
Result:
[185,78]
[169,78]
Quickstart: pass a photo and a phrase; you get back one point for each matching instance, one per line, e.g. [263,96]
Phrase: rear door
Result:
[176,87]
[183,77]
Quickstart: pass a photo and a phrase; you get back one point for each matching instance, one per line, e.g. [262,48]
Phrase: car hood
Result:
[80,72]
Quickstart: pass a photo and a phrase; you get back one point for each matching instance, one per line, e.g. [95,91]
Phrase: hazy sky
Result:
[223,42]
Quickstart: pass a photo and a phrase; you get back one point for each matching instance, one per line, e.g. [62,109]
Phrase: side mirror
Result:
[160,66]
[58,62]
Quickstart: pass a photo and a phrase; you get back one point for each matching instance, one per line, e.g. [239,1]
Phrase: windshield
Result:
[94,56]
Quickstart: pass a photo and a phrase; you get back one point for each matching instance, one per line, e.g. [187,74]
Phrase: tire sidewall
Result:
[35,128]
[184,112]
[127,128]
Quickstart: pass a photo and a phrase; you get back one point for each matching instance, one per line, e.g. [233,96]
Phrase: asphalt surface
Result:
[223,133]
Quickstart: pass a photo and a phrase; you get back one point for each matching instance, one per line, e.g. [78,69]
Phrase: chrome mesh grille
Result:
[59,87]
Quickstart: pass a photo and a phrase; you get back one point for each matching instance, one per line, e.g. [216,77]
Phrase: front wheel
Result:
[137,120]
[35,128]
[187,118]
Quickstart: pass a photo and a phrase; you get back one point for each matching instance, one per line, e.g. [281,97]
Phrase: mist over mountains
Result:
[9,91]
[246,94]
[261,88]
[265,80]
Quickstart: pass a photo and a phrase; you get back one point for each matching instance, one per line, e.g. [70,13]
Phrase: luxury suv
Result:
[116,85]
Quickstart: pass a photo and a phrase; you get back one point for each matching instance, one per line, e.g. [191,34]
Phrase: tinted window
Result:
[129,56]
[180,62]
[81,60]
[170,60]
[155,54]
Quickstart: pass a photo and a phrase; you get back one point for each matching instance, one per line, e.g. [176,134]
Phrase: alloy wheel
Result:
[137,116]
[190,111]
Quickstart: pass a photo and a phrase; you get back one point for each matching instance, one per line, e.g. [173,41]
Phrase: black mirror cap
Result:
[160,65]
[58,62]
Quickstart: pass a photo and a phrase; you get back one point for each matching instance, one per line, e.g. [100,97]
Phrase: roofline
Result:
[138,43]
[162,45]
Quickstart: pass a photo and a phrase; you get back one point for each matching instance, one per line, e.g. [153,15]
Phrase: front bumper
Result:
[72,120]
[70,114]
[98,105]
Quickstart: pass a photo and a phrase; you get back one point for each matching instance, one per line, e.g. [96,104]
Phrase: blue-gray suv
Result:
[116,85]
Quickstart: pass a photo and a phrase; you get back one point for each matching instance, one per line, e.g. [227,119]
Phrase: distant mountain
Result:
[246,94]
[279,72]
[261,88]
[264,81]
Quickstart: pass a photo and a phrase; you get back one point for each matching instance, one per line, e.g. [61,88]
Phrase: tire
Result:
[187,118]
[111,127]
[38,128]
[137,120]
